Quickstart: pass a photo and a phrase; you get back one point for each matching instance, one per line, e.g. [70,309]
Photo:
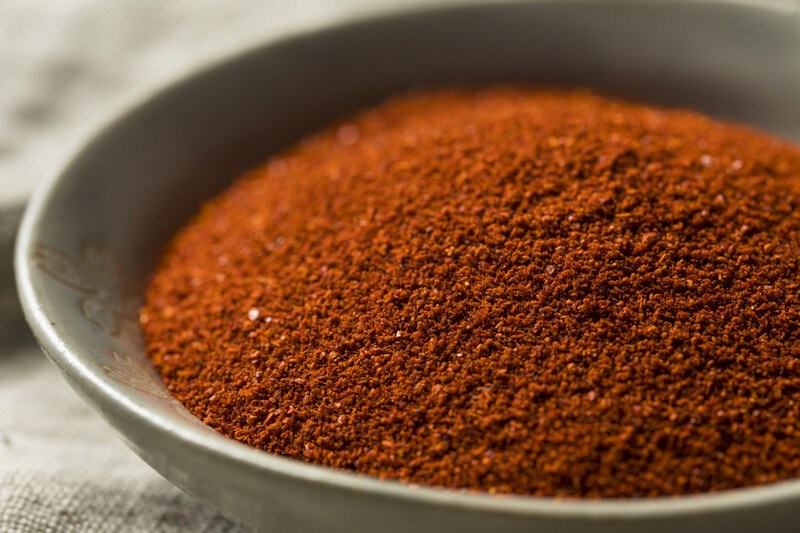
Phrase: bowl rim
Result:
[91,384]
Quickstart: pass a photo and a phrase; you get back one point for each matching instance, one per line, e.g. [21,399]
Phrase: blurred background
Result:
[66,65]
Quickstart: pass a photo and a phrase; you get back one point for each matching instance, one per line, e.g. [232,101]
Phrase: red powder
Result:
[509,290]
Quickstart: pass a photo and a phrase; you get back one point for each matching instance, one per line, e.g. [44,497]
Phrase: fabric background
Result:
[65,67]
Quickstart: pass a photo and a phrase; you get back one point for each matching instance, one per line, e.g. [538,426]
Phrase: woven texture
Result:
[62,468]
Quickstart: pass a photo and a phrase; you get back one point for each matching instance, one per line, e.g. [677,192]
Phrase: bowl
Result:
[93,232]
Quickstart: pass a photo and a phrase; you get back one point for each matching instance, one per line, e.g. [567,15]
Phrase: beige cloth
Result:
[63,469]
[66,65]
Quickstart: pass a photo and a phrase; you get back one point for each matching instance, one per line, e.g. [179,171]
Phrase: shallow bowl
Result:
[93,232]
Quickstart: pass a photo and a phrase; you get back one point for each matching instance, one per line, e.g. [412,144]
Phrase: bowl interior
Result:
[94,232]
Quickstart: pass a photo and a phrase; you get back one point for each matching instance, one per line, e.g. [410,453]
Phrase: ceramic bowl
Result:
[93,233]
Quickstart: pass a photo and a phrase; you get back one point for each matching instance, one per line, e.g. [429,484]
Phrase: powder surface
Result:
[507,290]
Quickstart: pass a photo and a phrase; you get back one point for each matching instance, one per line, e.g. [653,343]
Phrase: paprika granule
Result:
[507,290]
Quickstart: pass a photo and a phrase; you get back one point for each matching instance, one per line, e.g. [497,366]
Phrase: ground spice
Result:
[507,290]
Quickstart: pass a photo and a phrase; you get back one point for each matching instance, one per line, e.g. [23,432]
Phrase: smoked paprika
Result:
[505,290]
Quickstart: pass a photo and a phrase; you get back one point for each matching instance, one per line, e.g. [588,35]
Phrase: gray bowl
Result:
[93,232]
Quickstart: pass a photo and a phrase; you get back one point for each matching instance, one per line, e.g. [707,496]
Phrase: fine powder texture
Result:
[507,290]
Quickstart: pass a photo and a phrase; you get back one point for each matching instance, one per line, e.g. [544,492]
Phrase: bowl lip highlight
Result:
[102,392]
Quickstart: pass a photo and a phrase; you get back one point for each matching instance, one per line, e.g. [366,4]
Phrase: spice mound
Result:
[507,290]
